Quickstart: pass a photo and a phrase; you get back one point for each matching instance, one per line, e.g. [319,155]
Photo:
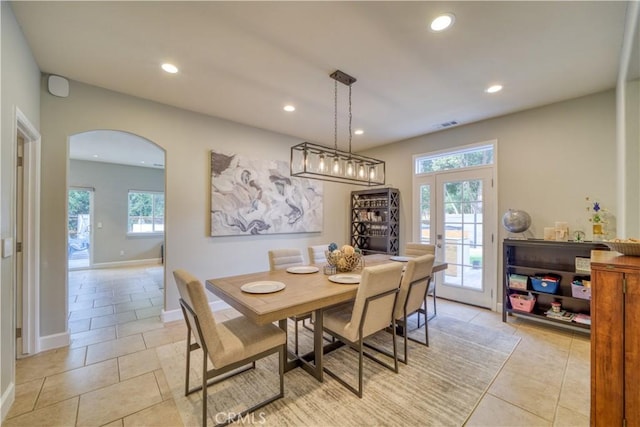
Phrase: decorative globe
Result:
[516,221]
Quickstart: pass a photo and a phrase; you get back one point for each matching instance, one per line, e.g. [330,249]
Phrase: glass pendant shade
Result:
[320,162]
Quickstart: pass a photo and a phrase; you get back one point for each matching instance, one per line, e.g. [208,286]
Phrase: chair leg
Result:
[360,367]
[204,389]
[296,337]
[186,376]
[395,346]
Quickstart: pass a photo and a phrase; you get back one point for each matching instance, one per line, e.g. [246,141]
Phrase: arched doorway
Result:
[115,225]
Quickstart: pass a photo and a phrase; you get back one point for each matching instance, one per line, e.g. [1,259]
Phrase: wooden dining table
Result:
[303,293]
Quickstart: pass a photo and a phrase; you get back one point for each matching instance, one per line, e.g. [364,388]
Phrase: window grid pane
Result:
[146,212]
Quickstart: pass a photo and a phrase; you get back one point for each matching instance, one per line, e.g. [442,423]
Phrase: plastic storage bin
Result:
[547,283]
[518,281]
[521,302]
[581,288]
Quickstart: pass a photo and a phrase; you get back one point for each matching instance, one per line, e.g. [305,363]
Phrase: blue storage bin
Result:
[547,283]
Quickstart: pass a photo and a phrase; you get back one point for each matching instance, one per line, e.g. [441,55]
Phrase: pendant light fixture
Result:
[314,161]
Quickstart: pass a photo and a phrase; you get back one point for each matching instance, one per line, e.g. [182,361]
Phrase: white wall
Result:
[549,158]
[187,139]
[20,80]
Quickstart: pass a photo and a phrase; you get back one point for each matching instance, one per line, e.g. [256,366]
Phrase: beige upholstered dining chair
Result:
[417,249]
[281,259]
[371,312]
[229,346]
[317,255]
[413,293]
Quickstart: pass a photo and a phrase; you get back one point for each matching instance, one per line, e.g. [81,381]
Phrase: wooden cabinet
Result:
[615,340]
[540,257]
[375,220]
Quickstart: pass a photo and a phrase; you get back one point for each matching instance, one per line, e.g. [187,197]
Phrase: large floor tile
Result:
[119,400]
[25,398]
[114,348]
[77,381]
[176,331]
[139,326]
[138,363]
[112,319]
[568,418]
[92,336]
[60,414]
[49,363]
[494,412]
[91,312]
[529,393]
[164,414]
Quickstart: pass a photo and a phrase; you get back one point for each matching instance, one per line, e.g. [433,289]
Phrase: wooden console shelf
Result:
[534,257]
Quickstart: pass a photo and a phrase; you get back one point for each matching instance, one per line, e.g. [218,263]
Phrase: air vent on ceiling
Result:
[158,165]
[445,125]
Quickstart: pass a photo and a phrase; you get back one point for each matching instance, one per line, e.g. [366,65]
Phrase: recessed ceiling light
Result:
[142,161]
[95,155]
[289,108]
[358,132]
[169,68]
[493,89]
[443,22]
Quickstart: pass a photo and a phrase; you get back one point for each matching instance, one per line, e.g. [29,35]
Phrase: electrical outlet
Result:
[121,253]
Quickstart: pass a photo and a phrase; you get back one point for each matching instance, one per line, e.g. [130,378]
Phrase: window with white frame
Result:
[460,159]
[145,212]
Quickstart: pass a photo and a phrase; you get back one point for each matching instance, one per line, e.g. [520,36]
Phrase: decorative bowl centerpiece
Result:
[345,259]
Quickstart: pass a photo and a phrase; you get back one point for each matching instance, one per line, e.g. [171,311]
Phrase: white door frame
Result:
[430,179]
[31,233]
[486,297]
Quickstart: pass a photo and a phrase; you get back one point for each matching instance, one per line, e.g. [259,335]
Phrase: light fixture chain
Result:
[335,116]
[350,117]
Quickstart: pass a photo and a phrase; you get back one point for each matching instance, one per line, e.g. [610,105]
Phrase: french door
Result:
[456,212]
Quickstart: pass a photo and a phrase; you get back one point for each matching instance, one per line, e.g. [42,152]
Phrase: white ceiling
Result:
[244,61]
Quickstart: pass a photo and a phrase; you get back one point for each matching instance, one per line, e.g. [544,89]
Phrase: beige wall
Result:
[20,89]
[549,160]
[187,139]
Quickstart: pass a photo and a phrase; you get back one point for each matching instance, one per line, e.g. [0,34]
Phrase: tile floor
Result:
[110,374]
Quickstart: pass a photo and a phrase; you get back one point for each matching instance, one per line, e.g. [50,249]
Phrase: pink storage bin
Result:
[523,303]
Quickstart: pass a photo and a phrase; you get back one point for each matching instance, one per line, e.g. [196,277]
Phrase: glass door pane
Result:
[426,236]
[79,228]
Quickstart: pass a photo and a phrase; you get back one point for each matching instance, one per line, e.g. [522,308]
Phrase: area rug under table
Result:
[440,386]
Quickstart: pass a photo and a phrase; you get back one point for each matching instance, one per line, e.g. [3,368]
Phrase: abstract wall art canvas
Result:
[257,196]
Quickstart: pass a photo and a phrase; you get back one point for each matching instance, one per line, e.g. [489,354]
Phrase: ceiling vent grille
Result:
[446,125]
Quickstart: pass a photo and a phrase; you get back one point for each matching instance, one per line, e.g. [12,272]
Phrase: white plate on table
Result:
[401,258]
[345,279]
[262,287]
[303,269]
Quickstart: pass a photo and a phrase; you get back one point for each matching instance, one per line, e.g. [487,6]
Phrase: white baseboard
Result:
[173,315]
[131,263]
[7,399]
[54,341]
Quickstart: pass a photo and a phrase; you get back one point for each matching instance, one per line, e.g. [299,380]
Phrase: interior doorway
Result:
[107,167]
[25,246]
